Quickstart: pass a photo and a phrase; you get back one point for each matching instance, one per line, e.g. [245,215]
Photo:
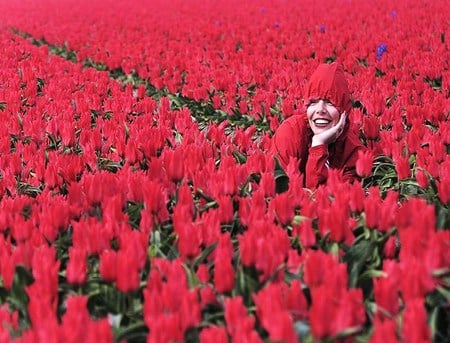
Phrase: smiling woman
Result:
[323,138]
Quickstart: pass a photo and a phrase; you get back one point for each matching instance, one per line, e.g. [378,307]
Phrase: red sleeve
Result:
[286,142]
[316,166]
[350,174]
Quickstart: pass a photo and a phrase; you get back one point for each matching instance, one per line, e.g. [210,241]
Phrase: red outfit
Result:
[293,137]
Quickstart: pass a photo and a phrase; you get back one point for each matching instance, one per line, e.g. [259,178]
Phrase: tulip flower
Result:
[364,163]
[77,266]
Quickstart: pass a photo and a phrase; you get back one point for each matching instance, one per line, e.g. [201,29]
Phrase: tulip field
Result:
[138,200]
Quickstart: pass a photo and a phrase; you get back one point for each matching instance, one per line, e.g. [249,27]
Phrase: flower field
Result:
[138,200]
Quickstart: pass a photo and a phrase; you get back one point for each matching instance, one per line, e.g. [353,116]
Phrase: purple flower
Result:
[322,28]
[262,10]
[381,49]
[277,24]
[393,14]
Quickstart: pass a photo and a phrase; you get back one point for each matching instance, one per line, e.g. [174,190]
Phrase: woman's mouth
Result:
[321,122]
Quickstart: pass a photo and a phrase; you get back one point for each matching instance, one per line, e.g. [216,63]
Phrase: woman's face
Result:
[322,115]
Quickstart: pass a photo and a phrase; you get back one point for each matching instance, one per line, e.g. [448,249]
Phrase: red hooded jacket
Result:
[293,137]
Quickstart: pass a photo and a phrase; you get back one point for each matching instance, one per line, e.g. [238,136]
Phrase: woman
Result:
[324,138]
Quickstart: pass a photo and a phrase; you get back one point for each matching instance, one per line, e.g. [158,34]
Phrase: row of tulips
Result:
[183,237]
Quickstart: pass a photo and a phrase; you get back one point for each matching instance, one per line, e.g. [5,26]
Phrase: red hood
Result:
[328,82]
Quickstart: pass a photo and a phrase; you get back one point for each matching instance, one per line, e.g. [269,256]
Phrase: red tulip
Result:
[189,238]
[306,233]
[331,314]
[207,296]
[364,163]
[224,277]
[391,247]
[155,199]
[272,314]
[371,128]
[75,319]
[282,207]
[209,227]
[76,271]
[108,265]
[91,235]
[295,301]
[320,268]
[356,197]
[416,281]
[99,331]
[385,330]
[135,242]
[252,207]
[225,209]
[22,229]
[444,190]
[173,162]
[386,297]
[267,184]
[264,247]
[414,324]
[239,323]
[402,167]
[214,334]
[336,221]
[8,319]
[170,308]
[127,279]
[7,268]
[45,269]
[422,178]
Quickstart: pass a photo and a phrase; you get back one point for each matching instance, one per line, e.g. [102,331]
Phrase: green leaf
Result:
[135,332]
[443,217]
[298,219]
[349,332]
[356,258]
[211,204]
[205,253]
[134,213]
[444,292]
[433,321]
[334,248]
[441,272]
[247,283]
[240,157]
[178,137]
[154,248]
[371,273]
[193,281]
[279,172]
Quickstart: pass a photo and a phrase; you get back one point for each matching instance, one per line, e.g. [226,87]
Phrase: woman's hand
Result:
[329,136]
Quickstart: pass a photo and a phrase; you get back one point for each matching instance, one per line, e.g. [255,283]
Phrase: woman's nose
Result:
[320,107]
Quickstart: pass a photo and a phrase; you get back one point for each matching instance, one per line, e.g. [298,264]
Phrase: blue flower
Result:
[322,28]
[381,49]
[393,14]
